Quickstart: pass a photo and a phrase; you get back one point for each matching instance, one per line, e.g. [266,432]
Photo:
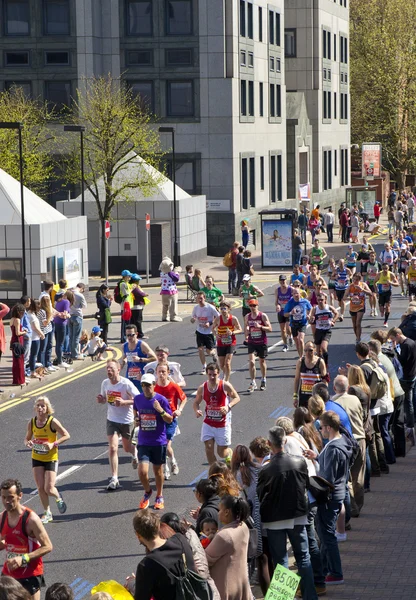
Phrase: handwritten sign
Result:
[283,585]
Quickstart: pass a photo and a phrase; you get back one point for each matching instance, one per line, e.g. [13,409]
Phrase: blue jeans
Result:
[34,349]
[45,350]
[367,475]
[299,541]
[60,333]
[75,328]
[326,521]
[408,388]
[383,422]
[232,279]
[27,339]
[297,255]
[315,554]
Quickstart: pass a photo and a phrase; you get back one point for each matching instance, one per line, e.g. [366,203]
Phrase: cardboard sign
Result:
[283,585]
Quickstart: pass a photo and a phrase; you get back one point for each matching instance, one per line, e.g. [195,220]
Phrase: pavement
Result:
[94,540]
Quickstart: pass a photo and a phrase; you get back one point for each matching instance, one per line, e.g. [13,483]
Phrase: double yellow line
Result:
[117,354]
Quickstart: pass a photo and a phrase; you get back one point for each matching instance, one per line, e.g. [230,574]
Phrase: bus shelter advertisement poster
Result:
[277,243]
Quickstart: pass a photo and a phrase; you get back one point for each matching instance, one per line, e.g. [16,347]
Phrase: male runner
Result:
[151,413]
[220,398]
[213,294]
[204,314]
[317,255]
[325,317]
[296,284]
[297,275]
[24,538]
[174,368]
[136,353]
[256,326]
[118,393]
[411,277]
[283,295]
[298,309]
[357,291]
[385,279]
[403,263]
[226,327]
[177,400]
[370,273]
[248,291]
[388,255]
[342,279]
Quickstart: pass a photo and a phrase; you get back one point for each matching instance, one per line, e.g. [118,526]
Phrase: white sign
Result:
[72,267]
[218,205]
[304,192]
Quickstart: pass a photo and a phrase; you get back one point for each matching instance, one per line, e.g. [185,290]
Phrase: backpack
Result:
[25,517]
[395,361]
[117,294]
[378,385]
[227,261]
[321,489]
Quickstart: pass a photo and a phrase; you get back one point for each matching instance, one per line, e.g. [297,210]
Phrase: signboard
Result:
[107,229]
[147,221]
[371,161]
[218,205]
[304,192]
[11,275]
[72,267]
[277,243]
[283,585]
[368,199]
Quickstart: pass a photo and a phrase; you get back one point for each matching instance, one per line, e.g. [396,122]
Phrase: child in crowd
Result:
[83,342]
[197,281]
[96,346]
[209,528]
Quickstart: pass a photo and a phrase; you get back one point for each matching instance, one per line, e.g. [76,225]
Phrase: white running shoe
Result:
[375,312]
[167,472]
[252,387]
[113,484]
[175,468]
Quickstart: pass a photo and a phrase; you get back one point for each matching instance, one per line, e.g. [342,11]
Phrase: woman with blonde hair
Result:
[45,315]
[44,435]
[226,482]
[358,387]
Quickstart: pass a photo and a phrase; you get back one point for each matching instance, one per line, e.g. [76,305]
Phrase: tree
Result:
[383,80]
[37,137]
[118,130]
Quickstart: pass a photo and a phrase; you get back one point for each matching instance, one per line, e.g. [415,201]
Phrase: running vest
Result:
[403,260]
[304,269]
[357,298]
[383,283]
[298,277]
[213,403]
[316,256]
[18,542]
[246,292]
[134,369]
[224,338]
[41,435]
[411,275]
[387,257]
[341,279]
[323,317]
[308,378]
[284,297]
[351,259]
[372,270]
[256,335]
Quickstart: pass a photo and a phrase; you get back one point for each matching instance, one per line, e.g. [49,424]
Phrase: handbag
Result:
[107,316]
[126,316]
[253,540]
[321,489]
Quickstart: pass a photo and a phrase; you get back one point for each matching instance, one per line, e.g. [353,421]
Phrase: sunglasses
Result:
[130,334]
[308,349]
[147,384]
[223,307]
[318,285]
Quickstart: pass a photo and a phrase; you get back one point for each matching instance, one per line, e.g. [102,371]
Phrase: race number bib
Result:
[214,414]
[112,396]
[385,287]
[148,421]
[135,373]
[256,333]
[39,446]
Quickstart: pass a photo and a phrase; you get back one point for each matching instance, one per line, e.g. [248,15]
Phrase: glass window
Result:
[20,58]
[250,20]
[277,65]
[273,178]
[251,98]
[260,24]
[244,183]
[278,100]
[252,182]
[335,46]
[261,99]
[335,105]
[180,99]
[250,59]
[139,57]
[179,57]
[178,17]
[17,15]
[56,17]
[184,174]
[271,27]
[57,58]
[271,63]
[58,94]
[10,274]
[262,172]
[24,85]
[290,43]
[243,58]
[272,100]
[139,17]
[243,97]
[242,18]
[143,89]
[277,29]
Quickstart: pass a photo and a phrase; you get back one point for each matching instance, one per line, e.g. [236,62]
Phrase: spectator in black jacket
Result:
[281,489]
[164,557]
[408,324]
[406,354]
[206,492]
[103,302]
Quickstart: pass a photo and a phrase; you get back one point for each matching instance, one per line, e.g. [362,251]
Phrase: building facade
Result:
[257,90]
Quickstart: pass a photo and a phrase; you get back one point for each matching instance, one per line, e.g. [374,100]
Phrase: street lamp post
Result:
[176,258]
[80,129]
[19,127]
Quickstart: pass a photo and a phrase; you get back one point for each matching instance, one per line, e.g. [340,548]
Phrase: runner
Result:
[297,275]
[317,255]
[213,295]
[332,268]
[351,259]
[174,368]
[370,273]
[136,353]
[42,437]
[256,326]
[296,284]
[342,278]
[363,257]
[388,255]
[357,291]
[177,400]
[310,369]
[226,327]
[249,291]
[385,279]
[312,279]
[152,413]
[220,398]
[24,538]
[305,266]
[403,263]
[204,314]
[411,278]
[118,393]
[283,295]
[325,317]
[298,309]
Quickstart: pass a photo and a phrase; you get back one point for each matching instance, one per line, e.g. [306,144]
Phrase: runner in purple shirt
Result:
[152,412]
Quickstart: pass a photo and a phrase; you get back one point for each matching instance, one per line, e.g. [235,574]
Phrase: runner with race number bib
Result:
[411,277]
[283,294]
[174,368]
[226,327]
[384,281]
[342,279]
[256,326]
[298,309]
[136,353]
[370,273]
[325,317]
[403,263]
[310,369]
[357,292]
[204,315]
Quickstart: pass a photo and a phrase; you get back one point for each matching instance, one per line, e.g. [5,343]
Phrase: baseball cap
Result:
[403,247]
[413,258]
[135,277]
[350,246]
[148,378]
[126,273]
[282,278]
[246,277]
[253,302]
[96,329]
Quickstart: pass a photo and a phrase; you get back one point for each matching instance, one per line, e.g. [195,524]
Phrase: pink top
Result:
[168,283]
[4,311]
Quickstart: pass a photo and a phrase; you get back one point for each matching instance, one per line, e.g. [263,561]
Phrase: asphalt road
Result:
[94,540]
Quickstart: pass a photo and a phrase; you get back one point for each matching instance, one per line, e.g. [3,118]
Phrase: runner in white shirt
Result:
[175,374]
[118,393]
[203,315]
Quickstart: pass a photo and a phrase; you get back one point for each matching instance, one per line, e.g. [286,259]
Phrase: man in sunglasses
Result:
[324,316]
[151,412]
[298,309]
[226,326]
[136,354]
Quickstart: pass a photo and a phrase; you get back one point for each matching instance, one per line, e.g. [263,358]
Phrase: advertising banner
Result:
[371,161]
[277,243]
[72,267]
